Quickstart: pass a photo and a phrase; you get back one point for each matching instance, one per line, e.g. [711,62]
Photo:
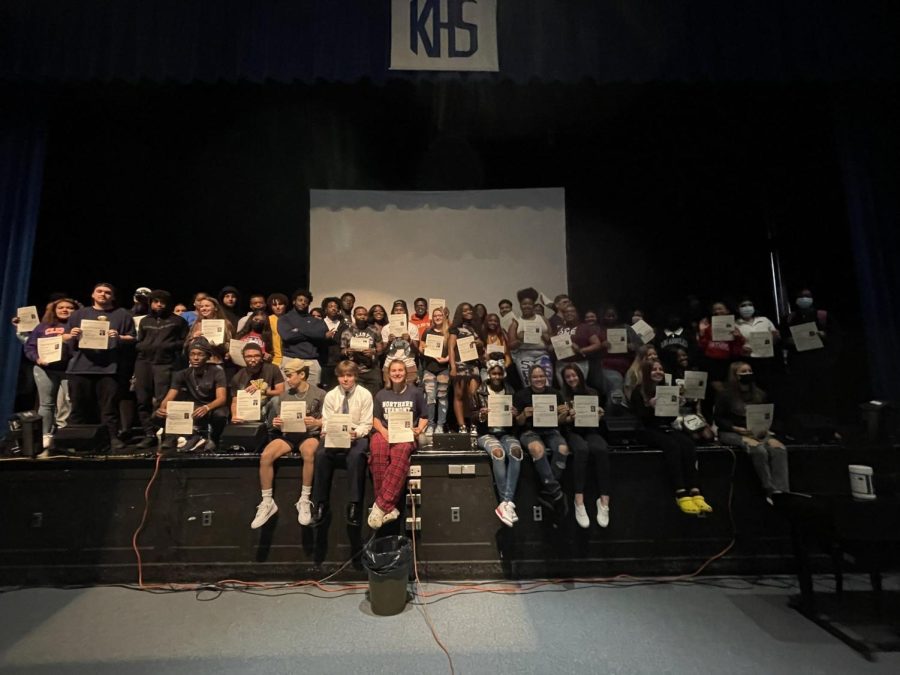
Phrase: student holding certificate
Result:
[50,354]
[257,329]
[256,376]
[361,343]
[398,420]
[586,443]
[529,338]
[400,344]
[768,454]
[567,328]
[634,374]
[496,436]
[618,343]
[496,341]
[283,440]
[717,355]
[436,371]
[464,368]
[209,310]
[755,329]
[678,449]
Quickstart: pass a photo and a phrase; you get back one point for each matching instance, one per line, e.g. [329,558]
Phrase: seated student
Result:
[389,462]
[436,375]
[585,442]
[691,419]
[634,374]
[500,443]
[715,355]
[768,454]
[256,376]
[464,375]
[748,322]
[367,371]
[302,334]
[420,318]
[403,347]
[281,442]
[277,304]
[348,398]
[330,355]
[202,383]
[209,308]
[540,441]
[531,349]
[673,336]
[257,303]
[678,449]
[258,329]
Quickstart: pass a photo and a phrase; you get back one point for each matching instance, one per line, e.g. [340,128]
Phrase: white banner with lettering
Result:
[444,35]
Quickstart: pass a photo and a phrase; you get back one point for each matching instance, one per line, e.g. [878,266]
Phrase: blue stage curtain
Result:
[868,142]
[22,148]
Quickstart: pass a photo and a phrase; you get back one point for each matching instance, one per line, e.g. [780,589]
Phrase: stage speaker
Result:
[82,438]
[247,437]
[25,434]
[452,443]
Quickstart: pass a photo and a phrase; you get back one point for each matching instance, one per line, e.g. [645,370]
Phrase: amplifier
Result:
[452,443]
[246,437]
[82,438]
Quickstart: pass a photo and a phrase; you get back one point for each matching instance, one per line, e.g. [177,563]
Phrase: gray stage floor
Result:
[641,629]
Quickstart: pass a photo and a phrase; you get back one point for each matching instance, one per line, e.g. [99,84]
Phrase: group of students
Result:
[347,360]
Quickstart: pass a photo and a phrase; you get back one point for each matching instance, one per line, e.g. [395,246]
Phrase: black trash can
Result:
[387,561]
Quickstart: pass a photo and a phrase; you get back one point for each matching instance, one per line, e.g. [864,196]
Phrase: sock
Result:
[267,495]
[305,491]
[542,466]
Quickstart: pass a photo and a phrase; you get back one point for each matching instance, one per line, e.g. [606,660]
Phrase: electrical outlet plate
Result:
[415,470]
[206,518]
[417,497]
[418,523]
[454,469]
[537,513]
[415,484]
[37,519]
[468,469]
[454,514]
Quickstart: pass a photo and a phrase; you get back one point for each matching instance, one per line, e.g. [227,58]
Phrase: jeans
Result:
[551,439]
[585,443]
[353,459]
[614,381]
[436,387]
[769,460]
[506,457]
[48,385]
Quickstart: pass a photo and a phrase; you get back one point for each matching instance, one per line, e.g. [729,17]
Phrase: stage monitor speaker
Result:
[25,434]
[453,442]
[247,437]
[82,438]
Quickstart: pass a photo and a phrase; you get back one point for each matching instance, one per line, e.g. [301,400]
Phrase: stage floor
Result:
[717,626]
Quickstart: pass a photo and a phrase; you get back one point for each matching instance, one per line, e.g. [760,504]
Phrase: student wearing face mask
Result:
[768,454]
[258,329]
[748,322]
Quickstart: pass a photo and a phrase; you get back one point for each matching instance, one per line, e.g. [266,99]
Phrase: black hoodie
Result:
[161,337]
[231,314]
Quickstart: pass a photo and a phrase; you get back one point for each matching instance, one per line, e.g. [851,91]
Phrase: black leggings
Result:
[584,443]
[680,454]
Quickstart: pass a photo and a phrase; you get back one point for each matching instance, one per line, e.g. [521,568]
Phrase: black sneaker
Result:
[147,442]
[117,444]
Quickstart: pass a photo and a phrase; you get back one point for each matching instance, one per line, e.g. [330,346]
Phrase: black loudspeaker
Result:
[247,437]
[25,434]
[82,438]
[452,443]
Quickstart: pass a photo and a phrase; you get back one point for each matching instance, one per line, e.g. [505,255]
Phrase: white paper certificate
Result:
[545,413]
[236,352]
[94,334]
[434,346]
[292,416]
[248,406]
[644,330]
[667,401]
[723,328]
[213,330]
[562,345]
[467,349]
[618,340]
[360,344]
[587,411]
[49,349]
[400,426]
[806,337]
[28,319]
[499,411]
[695,384]
[761,344]
[398,325]
[532,330]
[759,417]
[434,303]
[507,319]
[337,431]
[179,418]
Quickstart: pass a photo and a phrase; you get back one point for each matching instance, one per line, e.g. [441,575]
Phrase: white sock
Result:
[305,491]
[267,495]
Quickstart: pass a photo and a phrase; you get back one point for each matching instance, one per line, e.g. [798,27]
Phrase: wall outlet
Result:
[468,469]
[418,523]
[415,470]
[454,514]
[206,518]
[415,484]
[454,469]
[417,497]
[537,513]
[37,519]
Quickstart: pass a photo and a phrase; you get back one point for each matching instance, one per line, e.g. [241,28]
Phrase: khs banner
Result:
[444,35]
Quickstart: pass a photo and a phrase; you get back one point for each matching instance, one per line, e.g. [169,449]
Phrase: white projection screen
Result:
[463,246]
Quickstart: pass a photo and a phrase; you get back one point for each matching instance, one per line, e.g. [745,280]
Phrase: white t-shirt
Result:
[758,324]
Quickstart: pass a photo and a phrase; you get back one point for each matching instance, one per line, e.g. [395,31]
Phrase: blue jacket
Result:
[301,335]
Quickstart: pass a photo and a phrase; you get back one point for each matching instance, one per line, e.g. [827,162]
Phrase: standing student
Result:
[258,329]
[464,375]
[716,355]
[330,356]
[229,299]
[569,326]
[348,302]
[420,318]
[277,303]
[531,349]
[257,302]
[301,334]
[361,343]
[404,347]
[560,302]
[281,443]
[673,336]
[749,322]
[496,342]
[193,313]
[436,374]
[389,461]
[209,309]
[615,365]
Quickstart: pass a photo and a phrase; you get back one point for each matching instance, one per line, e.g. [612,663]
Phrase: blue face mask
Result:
[804,302]
[746,311]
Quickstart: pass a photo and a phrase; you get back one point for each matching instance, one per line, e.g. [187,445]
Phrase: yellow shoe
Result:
[701,504]
[687,505]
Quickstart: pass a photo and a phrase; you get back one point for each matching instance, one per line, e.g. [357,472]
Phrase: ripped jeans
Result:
[506,457]
[436,386]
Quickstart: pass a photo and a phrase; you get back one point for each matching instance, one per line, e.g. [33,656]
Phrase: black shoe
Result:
[319,512]
[354,514]
[147,442]
[170,442]
[117,444]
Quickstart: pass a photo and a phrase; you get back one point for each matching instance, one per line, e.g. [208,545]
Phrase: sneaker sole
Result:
[268,518]
[503,519]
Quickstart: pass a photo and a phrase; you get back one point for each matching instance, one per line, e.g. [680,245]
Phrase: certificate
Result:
[137,322]
[667,401]
[180,418]
[806,337]
[545,413]
[723,328]
[467,349]
[562,345]
[761,344]
[94,334]
[532,331]
[400,426]
[360,344]
[213,330]
[248,406]
[695,384]
[28,319]
[499,411]
[434,346]
[434,303]
[759,417]
[49,349]
[236,352]
[587,411]
[644,330]
[618,340]
[292,416]
[398,325]
[337,431]
[507,319]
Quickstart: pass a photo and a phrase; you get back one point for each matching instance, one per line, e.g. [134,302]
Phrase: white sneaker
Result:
[181,442]
[502,512]
[390,517]
[511,512]
[581,516]
[304,511]
[48,441]
[264,511]
[376,517]
[602,514]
